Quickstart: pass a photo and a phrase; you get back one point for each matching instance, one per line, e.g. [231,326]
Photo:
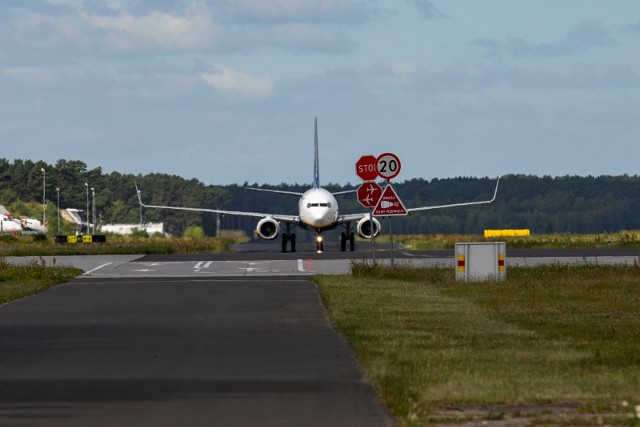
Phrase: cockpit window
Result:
[314,205]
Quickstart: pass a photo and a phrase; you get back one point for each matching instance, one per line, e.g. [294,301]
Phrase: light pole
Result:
[140,212]
[58,192]
[93,211]
[87,188]
[44,196]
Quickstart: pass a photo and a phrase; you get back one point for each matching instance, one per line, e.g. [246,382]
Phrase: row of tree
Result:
[542,204]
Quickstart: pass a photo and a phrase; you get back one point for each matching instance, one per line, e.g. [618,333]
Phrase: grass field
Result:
[553,345]
[20,280]
[622,239]
[115,245]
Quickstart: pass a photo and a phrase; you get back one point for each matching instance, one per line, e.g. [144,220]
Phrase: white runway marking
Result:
[97,268]
[201,264]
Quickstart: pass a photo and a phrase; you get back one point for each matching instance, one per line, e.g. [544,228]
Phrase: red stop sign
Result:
[367,168]
[369,194]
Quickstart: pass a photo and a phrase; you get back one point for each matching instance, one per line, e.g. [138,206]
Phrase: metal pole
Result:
[44,196]
[391,240]
[140,227]
[93,211]
[373,237]
[87,188]
[58,191]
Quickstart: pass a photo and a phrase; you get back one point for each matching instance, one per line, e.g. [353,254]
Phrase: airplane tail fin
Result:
[316,162]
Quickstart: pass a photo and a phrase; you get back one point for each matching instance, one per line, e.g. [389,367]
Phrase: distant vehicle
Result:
[317,212]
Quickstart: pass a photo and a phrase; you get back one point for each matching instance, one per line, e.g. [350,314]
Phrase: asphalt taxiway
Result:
[196,351]
[266,260]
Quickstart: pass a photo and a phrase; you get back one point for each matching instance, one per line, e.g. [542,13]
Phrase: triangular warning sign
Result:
[389,203]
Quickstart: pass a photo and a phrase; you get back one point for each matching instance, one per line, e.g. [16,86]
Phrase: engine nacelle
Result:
[364,228]
[268,228]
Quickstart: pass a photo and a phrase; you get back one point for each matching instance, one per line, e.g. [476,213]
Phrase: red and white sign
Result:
[388,165]
[368,194]
[366,168]
[389,204]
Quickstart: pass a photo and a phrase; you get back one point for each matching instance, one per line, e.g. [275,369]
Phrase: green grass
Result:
[115,245]
[20,280]
[551,334]
[622,239]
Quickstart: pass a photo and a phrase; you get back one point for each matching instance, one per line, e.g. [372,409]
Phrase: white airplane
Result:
[33,226]
[8,224]
[26,226]
[317,212]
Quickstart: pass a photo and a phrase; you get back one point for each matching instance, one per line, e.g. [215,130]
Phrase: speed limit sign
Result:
[388,165]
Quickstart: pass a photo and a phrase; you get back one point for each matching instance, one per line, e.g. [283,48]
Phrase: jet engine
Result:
[364,228]
[268,228]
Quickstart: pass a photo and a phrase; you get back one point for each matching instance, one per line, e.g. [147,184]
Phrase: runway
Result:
[265,259]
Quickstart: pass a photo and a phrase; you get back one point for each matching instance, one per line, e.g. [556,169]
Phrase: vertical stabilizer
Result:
[316,162]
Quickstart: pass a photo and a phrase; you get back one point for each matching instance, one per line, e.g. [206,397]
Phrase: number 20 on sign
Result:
[388,165]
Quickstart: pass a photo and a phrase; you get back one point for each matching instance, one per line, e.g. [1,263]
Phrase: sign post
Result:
[389,165]
[370,195]
[367,170]
[390,205]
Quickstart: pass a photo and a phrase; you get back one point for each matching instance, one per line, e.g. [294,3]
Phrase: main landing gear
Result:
[290,237]
[347,236]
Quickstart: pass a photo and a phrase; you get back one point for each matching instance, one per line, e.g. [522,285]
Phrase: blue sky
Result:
[226,91]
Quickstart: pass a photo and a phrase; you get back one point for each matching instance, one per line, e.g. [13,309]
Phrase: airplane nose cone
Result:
[323,217]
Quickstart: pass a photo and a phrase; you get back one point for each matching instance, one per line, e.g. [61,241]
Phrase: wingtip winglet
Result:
[495,192]
[139,193]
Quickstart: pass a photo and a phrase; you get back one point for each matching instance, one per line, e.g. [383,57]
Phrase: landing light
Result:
[319,239]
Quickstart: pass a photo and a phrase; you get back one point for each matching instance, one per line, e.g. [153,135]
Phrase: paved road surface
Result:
[197,351]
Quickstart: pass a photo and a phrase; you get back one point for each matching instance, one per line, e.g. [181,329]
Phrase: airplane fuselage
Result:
[318,209]
[9,225]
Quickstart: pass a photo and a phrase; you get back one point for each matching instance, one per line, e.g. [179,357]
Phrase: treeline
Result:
[542,204]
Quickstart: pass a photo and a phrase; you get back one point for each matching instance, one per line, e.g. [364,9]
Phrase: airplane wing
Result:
[268,190]
[340,193]
[293,219]
[455,205]
[355,217]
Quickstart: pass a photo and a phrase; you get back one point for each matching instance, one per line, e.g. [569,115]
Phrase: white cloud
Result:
[113,31]
[156,30]
[405,68]
[297,11]
[31,75]
[198,26]
[234,83]
[580,39]
[427,9]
